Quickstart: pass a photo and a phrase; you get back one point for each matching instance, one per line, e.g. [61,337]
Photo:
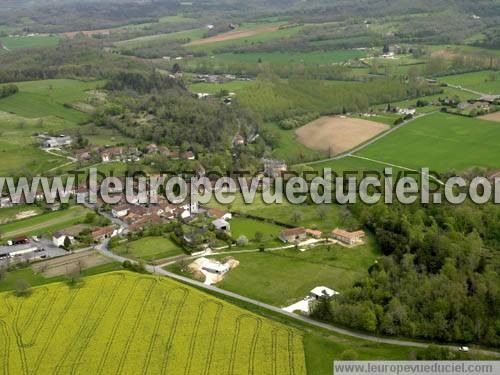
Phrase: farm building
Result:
[349,238]
[61,141]
[101,234]
[221,224]
[322,292]
[314,233]
[219,214]
[215,267]
[292,235]
[8,252]
[274,168]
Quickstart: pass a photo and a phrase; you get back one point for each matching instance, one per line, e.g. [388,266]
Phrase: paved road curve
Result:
[153,269]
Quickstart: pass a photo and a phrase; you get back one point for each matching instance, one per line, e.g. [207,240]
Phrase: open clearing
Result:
[440,142]
[123,323]
[283,277]
[335,135]
[26,42]
[491,117]
[149,248]
[46,223]
[232,35]
[47,98]
[70,263]
[487,82]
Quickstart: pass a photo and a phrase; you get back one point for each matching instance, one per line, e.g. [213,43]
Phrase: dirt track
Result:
[491,117]
[233,35]
[335,135]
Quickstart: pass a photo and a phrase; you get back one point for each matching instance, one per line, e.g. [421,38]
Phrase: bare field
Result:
[335,135]
[70,263]
[232,35]
[491,117]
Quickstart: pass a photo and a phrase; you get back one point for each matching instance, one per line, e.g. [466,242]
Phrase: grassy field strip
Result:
[113,324]
[53,220]
[397,166]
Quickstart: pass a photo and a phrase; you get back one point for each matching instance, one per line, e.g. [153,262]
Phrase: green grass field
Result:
[126,323]
[47,98]
[9,214]
[193,34]
[286,276]
[259,37]
[20,151]
[214,88]
[249,227]
[487,82]
[287,148]
[441,142]
[26,42]
[149,248]
[286,213]
[282,58]
[44,224]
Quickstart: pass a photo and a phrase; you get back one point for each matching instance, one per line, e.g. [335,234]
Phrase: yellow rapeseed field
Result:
[124,323]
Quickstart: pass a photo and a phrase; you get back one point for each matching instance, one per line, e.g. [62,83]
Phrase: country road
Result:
[382,340]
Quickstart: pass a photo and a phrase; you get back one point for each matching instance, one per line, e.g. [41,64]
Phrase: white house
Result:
[120,211]
[215,267]
[60,141]
[407,111]
[221,224]
[322,292]
[59,237]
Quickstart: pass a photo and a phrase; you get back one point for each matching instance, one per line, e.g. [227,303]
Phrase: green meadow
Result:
[250,227]
[193,34]
[44,224]
[487,82]
[286,276]
[149,248]
[441,142]
[310,58]
[47,98]
[214,88]
[26,42]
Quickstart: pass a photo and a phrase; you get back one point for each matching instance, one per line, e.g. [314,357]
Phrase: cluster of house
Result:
[402,111]
[59,141]
[274,168]
[131,153]
[299,234]
[172,154]
[137,216]
[69,235]
[481,105]
[215,78]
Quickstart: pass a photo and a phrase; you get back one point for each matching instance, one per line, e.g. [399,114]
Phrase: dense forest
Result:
[439,278]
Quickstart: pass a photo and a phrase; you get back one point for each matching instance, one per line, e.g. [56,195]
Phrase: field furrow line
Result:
[81,328]
[53,331]
[291,359]
[6,347]
[215,328]
[173,330]
[152,342]
[253,348]
[118,320]
[95,325]
[253,345]
[42,321]
[192,343]
[133,331]
[33,313]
